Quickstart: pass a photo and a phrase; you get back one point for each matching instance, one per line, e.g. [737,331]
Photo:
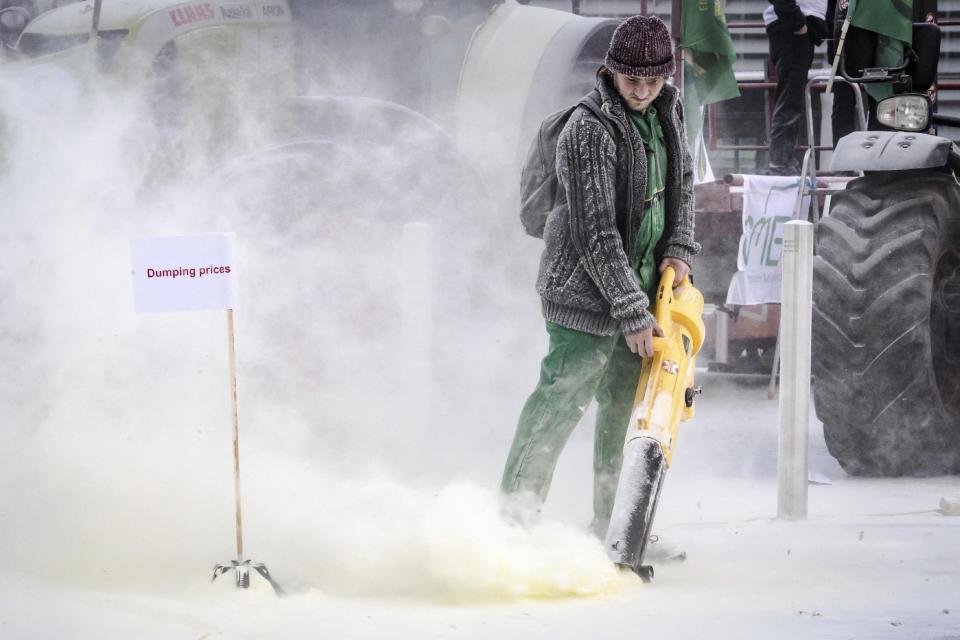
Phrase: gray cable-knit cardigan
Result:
[587,279]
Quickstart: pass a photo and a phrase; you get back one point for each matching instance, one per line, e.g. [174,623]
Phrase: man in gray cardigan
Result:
[627,214]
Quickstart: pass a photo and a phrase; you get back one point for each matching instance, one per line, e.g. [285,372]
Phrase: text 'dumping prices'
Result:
[185,272]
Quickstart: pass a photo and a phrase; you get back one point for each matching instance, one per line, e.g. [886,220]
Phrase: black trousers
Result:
[844,114]
[792,56]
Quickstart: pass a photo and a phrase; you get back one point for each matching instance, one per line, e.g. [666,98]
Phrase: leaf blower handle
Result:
[661,305]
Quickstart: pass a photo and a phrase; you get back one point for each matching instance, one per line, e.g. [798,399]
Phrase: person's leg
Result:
[844,115]
[615,396]
[569,375]
[793,55]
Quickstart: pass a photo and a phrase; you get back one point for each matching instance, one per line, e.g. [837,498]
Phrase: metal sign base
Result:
[242,571]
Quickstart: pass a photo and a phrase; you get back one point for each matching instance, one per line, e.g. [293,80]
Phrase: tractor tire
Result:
[886,325]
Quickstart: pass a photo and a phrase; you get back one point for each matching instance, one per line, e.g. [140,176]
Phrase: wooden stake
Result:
[236,429]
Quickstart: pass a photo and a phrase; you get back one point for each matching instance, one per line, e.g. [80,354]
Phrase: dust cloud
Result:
[370,448]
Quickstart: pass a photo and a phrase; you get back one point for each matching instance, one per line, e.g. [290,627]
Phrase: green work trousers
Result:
[578,367]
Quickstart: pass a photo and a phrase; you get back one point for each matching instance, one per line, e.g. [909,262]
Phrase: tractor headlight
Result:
[906,113]
[14,19]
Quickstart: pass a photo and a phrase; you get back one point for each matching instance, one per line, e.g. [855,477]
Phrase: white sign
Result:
[768,203]
[184,273]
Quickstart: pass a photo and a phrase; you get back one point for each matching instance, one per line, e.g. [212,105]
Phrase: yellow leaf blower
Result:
[665,397]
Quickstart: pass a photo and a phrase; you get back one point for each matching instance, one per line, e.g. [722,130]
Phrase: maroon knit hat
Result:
[641,47]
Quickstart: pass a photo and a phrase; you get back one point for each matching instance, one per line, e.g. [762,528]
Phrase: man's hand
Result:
[802,31]
[642,343]
[680,268]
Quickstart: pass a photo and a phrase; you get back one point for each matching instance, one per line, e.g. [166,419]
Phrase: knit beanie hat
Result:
[641,47]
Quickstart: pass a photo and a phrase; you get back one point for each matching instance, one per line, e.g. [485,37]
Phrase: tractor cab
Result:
[130,37]
[192,66]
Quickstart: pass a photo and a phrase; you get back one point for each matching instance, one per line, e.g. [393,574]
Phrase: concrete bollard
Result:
[416,273]
[723,336]
[796,314]
[416,317]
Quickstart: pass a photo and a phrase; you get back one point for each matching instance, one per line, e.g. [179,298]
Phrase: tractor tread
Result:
[875,384]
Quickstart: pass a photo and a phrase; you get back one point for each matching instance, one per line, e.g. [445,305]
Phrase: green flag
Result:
[892,20]
[708,50]
[708,59]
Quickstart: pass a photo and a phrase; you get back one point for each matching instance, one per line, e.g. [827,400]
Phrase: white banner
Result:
[768,203]
[183,273]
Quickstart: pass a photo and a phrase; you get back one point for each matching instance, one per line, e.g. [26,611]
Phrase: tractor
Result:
[316,70]
[886,291]
[312,129]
